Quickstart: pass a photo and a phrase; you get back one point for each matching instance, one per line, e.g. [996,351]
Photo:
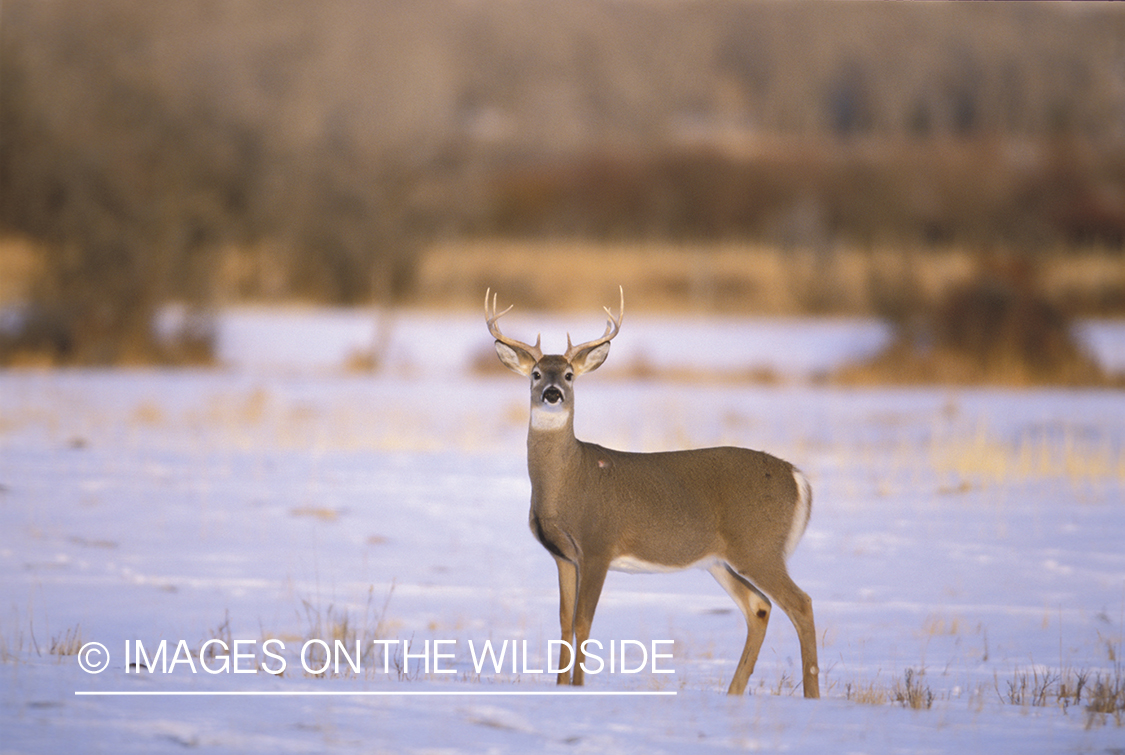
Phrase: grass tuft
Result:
[68,643]
[1106,699]
[333,624]
[866,693]
[912,692]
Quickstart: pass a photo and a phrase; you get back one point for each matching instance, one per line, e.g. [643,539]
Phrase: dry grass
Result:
[912,692]
[908,690]
[1101,695]
[68,643]
[21,267]
[333,624]
[871,692]
[961,316]
[985,458]
[222,632]
[1106,699]
[732,277]
[316,512]
[939,626]
[1000,326]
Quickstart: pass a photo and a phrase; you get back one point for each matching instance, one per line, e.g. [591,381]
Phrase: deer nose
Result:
[552,395]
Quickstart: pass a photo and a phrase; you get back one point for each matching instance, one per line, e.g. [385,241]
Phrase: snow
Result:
[970,537]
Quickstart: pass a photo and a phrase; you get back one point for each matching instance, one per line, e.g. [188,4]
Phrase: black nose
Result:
[552,395]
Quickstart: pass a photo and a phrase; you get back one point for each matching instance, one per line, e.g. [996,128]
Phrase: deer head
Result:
[552,376]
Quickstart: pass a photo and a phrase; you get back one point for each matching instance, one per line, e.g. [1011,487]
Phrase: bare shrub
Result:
[1036,689]
[996,327]
[912,692]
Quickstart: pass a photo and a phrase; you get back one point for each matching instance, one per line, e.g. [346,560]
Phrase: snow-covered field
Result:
[967,542]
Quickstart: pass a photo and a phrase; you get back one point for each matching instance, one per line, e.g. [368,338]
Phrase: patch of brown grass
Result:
[1106,698]
[866,693]
[67,643]
[322,513]
[983,457]
[21,264]
[998,327]
[737,277]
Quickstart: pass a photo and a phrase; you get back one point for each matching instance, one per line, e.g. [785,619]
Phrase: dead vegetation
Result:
[912,692]
[1101,695]
[997,327]
[1098,694]
[154,152]
[745,277]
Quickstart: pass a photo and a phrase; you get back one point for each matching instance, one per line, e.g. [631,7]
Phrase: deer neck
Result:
[551,432]
[552,452]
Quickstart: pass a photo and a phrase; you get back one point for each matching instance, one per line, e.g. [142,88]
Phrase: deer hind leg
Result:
[755,606]
[798,607]
[591,577]
[568,588]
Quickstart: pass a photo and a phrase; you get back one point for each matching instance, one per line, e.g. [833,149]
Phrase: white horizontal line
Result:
[373,693]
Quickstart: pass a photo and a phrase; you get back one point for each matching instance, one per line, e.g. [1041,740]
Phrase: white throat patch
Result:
[549,419]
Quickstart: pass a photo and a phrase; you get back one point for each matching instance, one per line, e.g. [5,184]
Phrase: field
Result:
[964,553]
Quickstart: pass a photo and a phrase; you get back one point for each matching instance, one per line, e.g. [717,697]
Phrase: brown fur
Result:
[731,510]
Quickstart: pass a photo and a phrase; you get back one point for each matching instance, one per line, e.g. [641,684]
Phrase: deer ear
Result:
[516,360]
[591,359]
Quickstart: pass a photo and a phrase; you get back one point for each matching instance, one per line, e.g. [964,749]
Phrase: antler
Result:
[612,328]
[491,317]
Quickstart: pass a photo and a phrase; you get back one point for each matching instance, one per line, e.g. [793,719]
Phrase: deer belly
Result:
[634,565]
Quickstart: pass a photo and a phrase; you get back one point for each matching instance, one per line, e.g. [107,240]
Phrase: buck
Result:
[735,512]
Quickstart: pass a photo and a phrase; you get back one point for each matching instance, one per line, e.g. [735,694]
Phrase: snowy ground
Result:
[970,540]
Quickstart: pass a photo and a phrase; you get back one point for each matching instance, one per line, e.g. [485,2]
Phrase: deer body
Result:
[736,512]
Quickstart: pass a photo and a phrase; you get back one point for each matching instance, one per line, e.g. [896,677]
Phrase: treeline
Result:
[284,149]
[808,193]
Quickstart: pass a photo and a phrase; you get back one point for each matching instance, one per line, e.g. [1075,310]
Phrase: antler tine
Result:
[612,328]
[490,319]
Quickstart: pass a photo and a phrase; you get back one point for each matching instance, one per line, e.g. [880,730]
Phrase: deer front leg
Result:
[568,587]
[591,577]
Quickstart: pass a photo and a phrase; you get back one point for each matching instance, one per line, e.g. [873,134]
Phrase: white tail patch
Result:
[801,512]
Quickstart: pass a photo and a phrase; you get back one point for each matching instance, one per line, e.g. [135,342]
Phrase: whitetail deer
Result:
[735,512]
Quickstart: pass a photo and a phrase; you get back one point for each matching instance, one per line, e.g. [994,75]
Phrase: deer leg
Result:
[568,587]
[798,607]
[591,577]
[756,608]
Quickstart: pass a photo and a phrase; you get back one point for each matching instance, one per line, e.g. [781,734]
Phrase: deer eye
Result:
[536,374]
[569,376]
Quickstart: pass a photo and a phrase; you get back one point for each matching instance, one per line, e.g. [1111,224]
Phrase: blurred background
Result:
[957,170]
